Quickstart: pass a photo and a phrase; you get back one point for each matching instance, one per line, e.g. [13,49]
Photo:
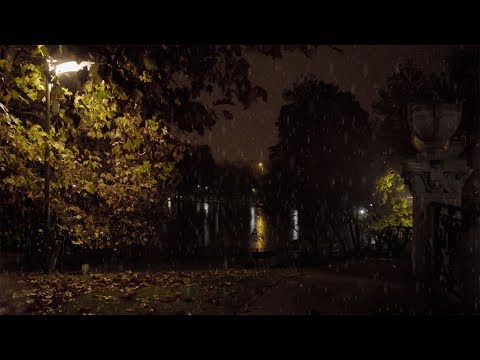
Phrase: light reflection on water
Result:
[258,229]
[295,229]
[252,219]
[221,226]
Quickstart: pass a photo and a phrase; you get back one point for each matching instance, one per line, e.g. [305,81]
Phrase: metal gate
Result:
[393,240]
[447,224]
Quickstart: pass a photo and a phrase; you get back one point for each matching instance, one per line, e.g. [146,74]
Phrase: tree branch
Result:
[336,49]
[28,113]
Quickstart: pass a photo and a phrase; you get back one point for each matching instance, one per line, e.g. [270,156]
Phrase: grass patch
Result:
[167,292]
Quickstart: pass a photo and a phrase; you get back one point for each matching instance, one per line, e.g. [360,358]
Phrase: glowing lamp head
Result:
[71,66]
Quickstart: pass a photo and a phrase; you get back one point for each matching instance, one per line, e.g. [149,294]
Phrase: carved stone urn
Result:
[433,125]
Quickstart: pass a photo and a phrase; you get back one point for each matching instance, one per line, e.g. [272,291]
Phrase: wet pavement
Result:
[326,292]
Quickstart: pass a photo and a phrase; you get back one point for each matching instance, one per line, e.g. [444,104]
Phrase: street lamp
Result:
[362,213]
[71,66]
[54,69]
[260,164]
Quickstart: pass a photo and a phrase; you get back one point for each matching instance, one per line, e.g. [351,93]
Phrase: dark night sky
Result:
[361,69]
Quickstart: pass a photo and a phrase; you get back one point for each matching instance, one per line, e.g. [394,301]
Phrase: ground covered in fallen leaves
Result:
[166,292]
[358,287]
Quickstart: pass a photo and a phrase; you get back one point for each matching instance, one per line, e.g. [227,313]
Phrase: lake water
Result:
[226,228]
[203,231]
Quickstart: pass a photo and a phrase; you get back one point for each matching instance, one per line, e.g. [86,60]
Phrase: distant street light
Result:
[54,69]
[260,164]
[362,212]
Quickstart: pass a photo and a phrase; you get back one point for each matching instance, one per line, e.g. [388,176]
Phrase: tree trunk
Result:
[336,234]
[53,259]
[331,244]
[323,233]
[358,232]
[352,234]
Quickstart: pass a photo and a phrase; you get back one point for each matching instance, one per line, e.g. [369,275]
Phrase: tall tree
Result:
[322,158]
[110,165]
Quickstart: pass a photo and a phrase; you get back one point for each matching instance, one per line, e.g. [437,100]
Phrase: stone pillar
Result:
[469,253]
[470,256]
[431,177]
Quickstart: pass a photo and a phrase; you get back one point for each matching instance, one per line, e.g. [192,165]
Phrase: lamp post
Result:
[54,69]
[260,164]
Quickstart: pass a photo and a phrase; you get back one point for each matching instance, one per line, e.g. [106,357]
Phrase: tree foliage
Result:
[174,81]
[463,75]
[323,147]
[110,164]
[190,86]
[392,206]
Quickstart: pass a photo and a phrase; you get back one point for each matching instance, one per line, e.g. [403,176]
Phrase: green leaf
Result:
[90,188]
[42,50]
[149,62]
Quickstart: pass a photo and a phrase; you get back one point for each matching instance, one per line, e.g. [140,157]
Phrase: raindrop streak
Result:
[206,232]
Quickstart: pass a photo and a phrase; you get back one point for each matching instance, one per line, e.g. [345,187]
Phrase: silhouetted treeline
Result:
[202,176]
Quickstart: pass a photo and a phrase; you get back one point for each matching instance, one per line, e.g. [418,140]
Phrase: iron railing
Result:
[394,239]
[448,222]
